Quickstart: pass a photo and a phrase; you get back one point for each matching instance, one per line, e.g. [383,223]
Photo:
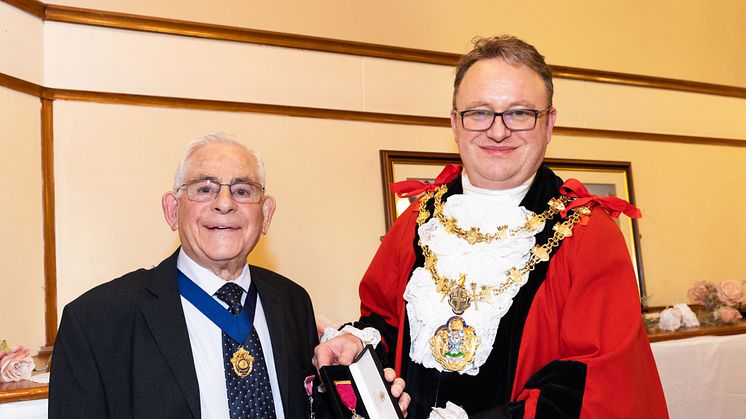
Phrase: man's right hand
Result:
[341,350]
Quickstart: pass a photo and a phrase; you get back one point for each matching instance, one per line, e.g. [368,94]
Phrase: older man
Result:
[203,334]
[499,290]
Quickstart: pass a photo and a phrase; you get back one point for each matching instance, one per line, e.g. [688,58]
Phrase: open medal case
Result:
[360,390]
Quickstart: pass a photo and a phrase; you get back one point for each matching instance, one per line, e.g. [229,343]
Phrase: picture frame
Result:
[599,176]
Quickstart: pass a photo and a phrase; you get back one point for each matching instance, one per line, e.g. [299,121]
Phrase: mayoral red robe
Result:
[572,345]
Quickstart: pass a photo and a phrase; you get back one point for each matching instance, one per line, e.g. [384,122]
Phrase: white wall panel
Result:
[407,88]
[22,241]
[112,60]
[21,44]
[624,108]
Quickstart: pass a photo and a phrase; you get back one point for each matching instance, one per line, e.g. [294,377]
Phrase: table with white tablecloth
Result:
[703,377]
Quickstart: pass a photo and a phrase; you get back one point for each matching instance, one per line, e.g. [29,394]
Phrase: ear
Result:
[170,205]
[454,121]
[551,118]
[268,210]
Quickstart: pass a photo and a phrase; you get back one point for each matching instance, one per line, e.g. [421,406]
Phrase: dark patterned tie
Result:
[249,396]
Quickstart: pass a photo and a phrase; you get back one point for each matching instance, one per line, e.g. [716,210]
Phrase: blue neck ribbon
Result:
[237,327]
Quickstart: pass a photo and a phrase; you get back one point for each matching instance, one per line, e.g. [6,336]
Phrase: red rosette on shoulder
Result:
[407,188]
[572,188]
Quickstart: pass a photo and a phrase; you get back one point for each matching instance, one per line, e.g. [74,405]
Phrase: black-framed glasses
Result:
[513,119]
[205,190]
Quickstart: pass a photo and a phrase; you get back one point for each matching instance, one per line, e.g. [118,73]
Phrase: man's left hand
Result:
[397,389]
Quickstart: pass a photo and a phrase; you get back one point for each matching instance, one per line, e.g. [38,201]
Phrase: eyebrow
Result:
[242,179]
[511,105]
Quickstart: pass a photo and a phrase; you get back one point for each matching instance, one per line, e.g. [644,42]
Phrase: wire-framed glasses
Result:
[203,190]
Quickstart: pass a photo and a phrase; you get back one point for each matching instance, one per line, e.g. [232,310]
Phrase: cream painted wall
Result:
[685,39]
[22,242]
[21,43]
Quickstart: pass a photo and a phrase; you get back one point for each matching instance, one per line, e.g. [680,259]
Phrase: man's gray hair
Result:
[209,139]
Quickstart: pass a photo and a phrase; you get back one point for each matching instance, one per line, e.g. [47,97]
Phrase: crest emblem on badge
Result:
[454,344]
[243,362]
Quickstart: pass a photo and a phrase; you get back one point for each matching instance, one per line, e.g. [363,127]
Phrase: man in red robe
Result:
[502,290]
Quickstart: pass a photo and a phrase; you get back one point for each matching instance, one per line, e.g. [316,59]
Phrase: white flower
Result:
[687,315]
[16,365]
[670,319]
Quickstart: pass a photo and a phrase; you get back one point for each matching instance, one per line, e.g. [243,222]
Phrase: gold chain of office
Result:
[459,298]
[475,235]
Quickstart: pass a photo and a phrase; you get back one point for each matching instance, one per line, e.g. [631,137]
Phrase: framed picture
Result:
[600,177]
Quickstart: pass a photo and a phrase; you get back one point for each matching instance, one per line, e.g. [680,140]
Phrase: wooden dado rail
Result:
[22,390]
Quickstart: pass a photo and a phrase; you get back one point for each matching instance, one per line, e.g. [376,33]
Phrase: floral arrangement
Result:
[15,364]
[721,301]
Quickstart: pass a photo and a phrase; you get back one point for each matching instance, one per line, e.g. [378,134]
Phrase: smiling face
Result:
[219,234]
[498,158]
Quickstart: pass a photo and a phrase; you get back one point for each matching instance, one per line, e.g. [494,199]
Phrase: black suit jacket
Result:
[123,351]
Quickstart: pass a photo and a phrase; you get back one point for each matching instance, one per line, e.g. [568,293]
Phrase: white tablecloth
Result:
[703,377]
[32,409]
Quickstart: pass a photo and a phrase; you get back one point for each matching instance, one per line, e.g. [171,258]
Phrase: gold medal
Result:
[454,344]
[243,362]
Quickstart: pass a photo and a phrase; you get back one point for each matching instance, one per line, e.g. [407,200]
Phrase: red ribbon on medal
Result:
[347,394]
[308,384]
[407,188]
[614,206]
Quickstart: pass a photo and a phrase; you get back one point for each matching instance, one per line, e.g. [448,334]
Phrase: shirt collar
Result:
[206,279]
[512,195]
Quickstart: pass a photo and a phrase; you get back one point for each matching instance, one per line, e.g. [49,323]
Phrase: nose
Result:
[498,131]
[224,202]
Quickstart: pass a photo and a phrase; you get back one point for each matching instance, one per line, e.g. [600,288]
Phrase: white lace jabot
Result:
[483,263]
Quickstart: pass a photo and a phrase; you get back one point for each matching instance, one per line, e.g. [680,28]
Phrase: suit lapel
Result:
[274,312]
[165,318]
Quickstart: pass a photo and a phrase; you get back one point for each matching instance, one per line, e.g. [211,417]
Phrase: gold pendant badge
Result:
[243,362]
[454,344]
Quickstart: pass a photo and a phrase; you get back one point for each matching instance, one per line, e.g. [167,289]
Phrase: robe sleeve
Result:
[584,351]
[382,286]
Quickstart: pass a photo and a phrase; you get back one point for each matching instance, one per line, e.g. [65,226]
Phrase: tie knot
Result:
[231,293]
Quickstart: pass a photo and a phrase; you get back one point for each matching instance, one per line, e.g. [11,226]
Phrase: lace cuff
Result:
[369,335]
[451,411]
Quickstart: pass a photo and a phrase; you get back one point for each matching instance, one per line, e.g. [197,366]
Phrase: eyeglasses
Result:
[205,190]
[513,119]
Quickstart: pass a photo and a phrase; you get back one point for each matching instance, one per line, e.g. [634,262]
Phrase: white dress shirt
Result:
[206,340]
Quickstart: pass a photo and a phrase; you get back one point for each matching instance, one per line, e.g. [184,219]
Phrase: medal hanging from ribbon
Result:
[308,385]
[238,327]
[347,395]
